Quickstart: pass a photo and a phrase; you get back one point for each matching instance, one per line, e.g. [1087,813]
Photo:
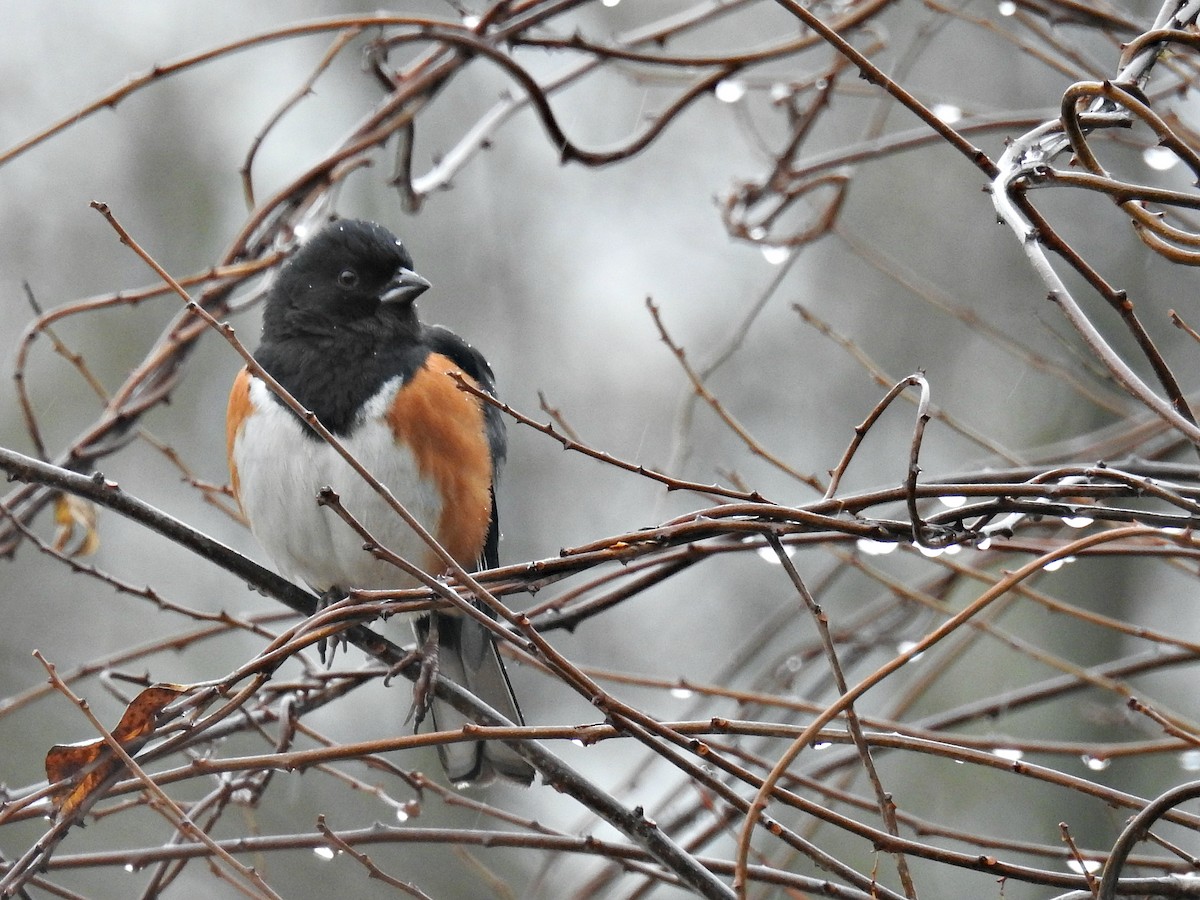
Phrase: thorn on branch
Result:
[99,480]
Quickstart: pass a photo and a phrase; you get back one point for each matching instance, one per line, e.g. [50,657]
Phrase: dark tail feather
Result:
[467,655]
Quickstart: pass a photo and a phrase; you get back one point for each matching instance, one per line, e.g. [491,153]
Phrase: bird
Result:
[341,332]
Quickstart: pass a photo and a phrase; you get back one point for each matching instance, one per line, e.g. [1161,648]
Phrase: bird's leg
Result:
[326,599]
[423,686]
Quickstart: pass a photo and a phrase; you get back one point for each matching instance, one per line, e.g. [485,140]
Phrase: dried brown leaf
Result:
[83,769]
[71,515]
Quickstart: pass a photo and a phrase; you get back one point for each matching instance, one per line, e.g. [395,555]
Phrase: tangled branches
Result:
[967,673]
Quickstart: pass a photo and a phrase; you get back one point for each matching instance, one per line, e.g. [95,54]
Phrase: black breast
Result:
[333,380]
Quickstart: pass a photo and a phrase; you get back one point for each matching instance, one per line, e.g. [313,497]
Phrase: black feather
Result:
[332,341]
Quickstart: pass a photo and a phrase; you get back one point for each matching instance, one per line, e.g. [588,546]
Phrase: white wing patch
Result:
[280,469]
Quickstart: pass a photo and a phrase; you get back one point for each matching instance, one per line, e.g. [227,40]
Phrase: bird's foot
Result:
[423,686]
[325,646]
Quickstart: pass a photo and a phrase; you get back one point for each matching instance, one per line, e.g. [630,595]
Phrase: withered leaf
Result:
[73,513]
[82,770]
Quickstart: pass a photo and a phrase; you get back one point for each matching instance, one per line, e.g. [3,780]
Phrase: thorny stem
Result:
[1134,503]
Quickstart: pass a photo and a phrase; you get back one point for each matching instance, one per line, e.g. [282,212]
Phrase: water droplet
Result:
[793,663]
[1096,763]
[129,867]
[953,501]
[985,544]
[1078,521]
[1055,564]
[780,92]
[1189,760]
[324,852]
[1007,7]
[906,646]
[1011,753]
[769,554]
[876,548]
[776,256]
[471,21]
[821,745]
[610,3]
[1089,865]
[1160,159]
[682,693]
[931,552]
[947,112]
[730,90]
[756,233]
[401,813]
[578,742]
[953,549]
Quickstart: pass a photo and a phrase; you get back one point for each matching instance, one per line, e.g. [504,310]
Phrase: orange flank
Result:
[239,408]
[443,426]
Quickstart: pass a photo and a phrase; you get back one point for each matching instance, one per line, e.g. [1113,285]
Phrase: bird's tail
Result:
[467,655]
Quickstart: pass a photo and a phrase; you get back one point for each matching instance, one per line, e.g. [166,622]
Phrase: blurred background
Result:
[547,268]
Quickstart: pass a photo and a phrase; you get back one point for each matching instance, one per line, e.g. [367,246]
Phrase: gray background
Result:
[546,268]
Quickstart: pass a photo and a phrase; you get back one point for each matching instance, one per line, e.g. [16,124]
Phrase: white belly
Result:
[281,469]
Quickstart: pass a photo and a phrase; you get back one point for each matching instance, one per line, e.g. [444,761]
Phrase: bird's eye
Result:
[347,278]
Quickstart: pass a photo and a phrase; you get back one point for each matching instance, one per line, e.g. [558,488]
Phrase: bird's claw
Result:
[423,686]
[327,648]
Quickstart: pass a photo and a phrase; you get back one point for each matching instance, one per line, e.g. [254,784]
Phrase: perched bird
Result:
[340,332]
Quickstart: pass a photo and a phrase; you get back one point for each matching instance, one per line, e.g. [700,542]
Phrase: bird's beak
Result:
[405,286]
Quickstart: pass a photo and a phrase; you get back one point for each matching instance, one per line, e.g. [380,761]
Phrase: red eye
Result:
[347,278]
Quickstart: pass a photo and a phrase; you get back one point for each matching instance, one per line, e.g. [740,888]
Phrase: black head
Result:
[351,278]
